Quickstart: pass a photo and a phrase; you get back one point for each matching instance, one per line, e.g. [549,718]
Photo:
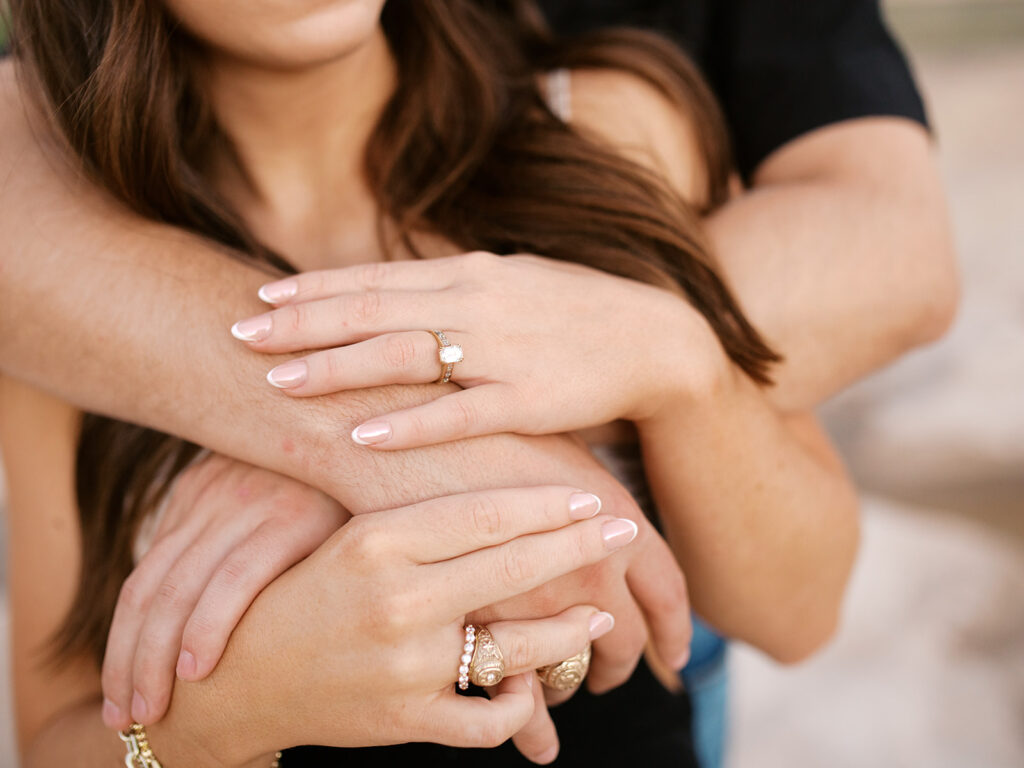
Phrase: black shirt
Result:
[780,68]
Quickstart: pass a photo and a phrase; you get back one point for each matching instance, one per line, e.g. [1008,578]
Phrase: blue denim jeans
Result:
[706,677]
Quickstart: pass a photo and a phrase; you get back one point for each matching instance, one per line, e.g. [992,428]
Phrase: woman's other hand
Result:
[360,644]
[227,530]
[549,346]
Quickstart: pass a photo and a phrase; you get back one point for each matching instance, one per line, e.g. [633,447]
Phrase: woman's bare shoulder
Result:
[635,118]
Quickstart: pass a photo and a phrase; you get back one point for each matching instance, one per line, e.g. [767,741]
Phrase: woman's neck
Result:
[299,138]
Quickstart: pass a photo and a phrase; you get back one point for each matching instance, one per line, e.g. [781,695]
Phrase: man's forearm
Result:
[841,254]
[130,319]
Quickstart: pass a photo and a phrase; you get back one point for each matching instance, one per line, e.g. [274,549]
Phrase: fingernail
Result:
[618,533]
[112,716]
[186,668]
[372,432]
[529,680]
[601,624]
[547,755]
[583,505]
[275,293]
[289,375]
[253,329]
[681,661]
[139,708]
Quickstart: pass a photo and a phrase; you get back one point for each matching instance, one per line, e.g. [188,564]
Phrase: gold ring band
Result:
[567,674]
[487,667]
[448,355]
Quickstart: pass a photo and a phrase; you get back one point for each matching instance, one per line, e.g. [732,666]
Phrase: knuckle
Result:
[313,282]
[397,615]
[486,515]
[199,630]
[480,261]
[513,565]
[372,276]
[517,649]
[369,544]
[460,415]
[333,365]
[579,550]
[170,596]
[231,575]
[294,318]
[132,597]
[366,307]
[398,351]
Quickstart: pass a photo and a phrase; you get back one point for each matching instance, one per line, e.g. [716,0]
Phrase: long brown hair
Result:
[481,161]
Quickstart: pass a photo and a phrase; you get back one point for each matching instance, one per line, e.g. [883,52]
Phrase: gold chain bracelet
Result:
[140,755]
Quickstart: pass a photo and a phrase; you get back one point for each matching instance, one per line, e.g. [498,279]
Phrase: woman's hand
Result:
[228,530]
[549,346]
[360,643]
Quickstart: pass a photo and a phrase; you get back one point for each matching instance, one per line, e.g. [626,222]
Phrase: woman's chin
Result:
[280,35]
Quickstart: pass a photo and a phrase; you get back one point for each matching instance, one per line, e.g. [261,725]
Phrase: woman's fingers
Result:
[659,587]
[538,739]
[159,640]
[129,615]
[473,721]
[527,645]
[440,529]
[269,551]
[484,410]
[344,319]
[392,358]
[420,275]
[615,656]
[498,573]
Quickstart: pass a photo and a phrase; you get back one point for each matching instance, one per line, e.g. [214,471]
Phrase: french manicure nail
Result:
[139,708]
[289,375]
[186,668]
[111,714]
[601,623]
[618,533]
[371,433]
[583,505]
[254,329]
[275,293]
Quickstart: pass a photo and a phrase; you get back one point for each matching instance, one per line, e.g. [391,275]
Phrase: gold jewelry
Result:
[467,656]
[448,354]
[140,755]
[487,667]
[566,675]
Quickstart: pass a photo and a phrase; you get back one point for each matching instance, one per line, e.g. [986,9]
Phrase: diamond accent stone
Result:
[451,355]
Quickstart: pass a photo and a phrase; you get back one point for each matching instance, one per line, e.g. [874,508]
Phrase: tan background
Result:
[928,669]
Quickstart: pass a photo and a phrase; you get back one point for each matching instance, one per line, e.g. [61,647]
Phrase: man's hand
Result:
[228,529]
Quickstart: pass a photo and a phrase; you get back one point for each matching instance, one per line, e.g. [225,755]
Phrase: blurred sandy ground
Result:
[928,669]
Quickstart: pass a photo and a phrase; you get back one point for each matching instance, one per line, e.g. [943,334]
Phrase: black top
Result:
[779,67]
[637,724]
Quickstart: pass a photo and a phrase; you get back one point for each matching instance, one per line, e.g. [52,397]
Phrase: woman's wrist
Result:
[686,366]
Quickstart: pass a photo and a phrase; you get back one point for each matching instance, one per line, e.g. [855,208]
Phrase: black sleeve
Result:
[780,68]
